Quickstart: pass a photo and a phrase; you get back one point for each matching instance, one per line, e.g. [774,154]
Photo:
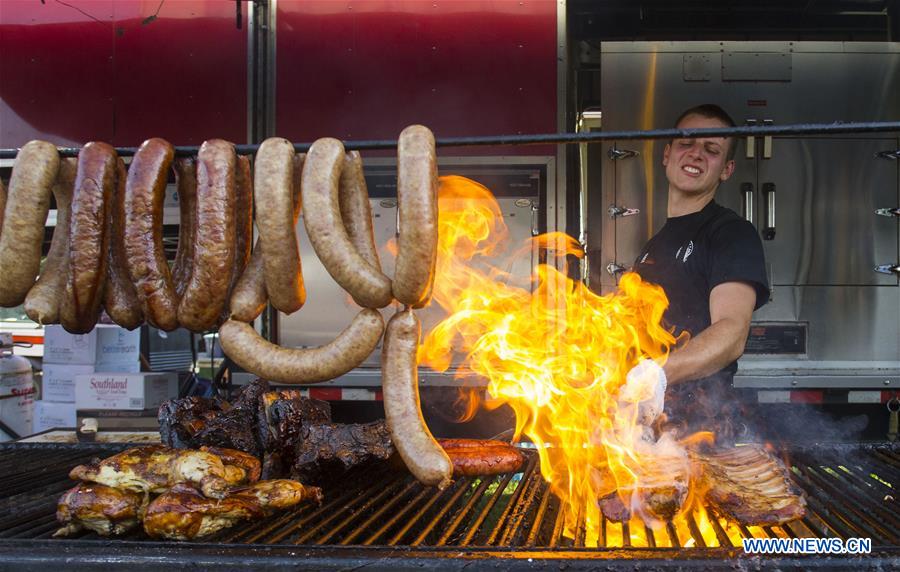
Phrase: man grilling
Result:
[710,263]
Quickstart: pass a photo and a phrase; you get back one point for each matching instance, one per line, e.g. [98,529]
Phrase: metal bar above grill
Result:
[850,492]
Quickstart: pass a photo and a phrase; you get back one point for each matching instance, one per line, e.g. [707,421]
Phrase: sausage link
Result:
[474,457]
[273,180]
[321,175]
[144,255]
[207,291]
[249,296]
[356,212]
[120,298]
[424,457]
[417,201]
[351,347]
[42,301]
[186,182]
[27,205]
[89,237]
[243,216]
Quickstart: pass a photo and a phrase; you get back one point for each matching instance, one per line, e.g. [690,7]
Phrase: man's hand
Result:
[644,388]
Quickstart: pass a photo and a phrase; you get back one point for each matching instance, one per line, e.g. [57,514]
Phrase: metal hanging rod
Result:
[561,138]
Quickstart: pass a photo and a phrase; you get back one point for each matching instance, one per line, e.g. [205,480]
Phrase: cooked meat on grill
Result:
[329,449]
[613,508]
[156,468]
[194,421]
[105,510]
[240,467]
[278,494]
[750,485]
[185,514]
[282,415]
[481,457]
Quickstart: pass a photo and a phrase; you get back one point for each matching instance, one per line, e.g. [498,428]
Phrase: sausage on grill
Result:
[481,457]
[213,262]
[25,214]
[241,343]
[89,237]
[144,255]
[120,298]
[417,201]
[42,301]
[424,457]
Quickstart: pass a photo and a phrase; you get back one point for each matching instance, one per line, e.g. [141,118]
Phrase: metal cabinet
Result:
[812,199]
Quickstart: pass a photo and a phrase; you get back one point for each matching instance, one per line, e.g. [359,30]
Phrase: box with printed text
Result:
[111,390]
[105,344]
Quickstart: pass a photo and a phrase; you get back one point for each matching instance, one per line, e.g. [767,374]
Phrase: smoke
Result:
[734,416]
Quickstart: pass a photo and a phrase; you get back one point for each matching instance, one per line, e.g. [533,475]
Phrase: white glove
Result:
[645,387]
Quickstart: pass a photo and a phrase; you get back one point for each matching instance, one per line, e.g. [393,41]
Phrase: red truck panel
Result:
[366,69]
[82,71]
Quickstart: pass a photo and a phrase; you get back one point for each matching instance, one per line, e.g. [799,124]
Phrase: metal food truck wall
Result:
[833,321]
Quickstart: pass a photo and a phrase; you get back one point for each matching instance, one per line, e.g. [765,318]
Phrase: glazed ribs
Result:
[750,485]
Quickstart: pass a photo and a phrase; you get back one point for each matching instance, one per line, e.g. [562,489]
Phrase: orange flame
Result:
[556,352]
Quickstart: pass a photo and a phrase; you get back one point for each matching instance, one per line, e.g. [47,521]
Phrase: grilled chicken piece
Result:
[156,468]
[105,510]
[184,514]
[750,485]
[278,494]
[240,467]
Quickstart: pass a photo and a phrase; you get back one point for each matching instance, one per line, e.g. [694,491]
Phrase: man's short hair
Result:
[713,111]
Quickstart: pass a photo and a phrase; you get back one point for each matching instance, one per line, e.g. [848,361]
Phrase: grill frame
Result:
[518,540]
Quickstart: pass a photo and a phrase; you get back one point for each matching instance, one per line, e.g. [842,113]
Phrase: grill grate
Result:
[851,490]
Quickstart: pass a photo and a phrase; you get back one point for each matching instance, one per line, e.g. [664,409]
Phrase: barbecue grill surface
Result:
[382,516]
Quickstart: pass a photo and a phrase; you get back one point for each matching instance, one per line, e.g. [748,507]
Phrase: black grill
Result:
[382,512]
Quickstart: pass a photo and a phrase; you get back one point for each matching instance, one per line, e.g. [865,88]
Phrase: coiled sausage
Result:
[27,205]
[321,175]
[248,349]
[43,300]
[88,237]
[207,291]
[417,201]
[273,180]
[144,255]
[120,298]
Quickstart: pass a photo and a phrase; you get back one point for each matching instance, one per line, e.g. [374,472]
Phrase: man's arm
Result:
[730,308]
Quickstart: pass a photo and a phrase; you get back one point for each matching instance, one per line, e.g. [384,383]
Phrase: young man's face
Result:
[697,166]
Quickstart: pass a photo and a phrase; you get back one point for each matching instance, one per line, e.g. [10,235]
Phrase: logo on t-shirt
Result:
[687,251]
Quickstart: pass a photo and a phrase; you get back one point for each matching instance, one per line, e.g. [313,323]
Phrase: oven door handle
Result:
[768,190]
[747,201]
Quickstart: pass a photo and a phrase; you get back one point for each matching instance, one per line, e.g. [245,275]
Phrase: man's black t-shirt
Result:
[688,257]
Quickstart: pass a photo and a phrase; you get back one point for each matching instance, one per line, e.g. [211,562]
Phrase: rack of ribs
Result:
[750,485]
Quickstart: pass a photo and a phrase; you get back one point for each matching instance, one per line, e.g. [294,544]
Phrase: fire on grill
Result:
[558,354]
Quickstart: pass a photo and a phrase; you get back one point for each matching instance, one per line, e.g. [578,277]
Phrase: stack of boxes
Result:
[72,362]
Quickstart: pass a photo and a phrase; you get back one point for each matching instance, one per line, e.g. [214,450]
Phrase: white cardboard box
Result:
[48,415]
[59,379]
[110,390]
[107,344]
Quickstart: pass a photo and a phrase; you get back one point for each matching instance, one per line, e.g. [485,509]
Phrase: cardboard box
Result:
[59,379]
[111,390]
[105,344]
[48,415]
